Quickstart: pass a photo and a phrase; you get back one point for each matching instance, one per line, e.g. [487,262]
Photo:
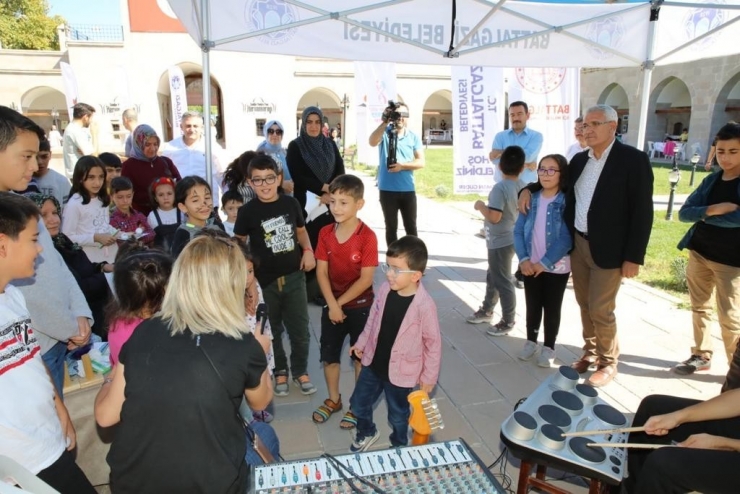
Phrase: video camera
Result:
[391,115]
[391,112]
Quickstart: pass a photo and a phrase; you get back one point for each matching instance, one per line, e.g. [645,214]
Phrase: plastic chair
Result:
[651,149]
[13,473]
[679,151]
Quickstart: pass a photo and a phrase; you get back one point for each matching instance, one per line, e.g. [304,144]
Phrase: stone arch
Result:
[615,96]
[325,99]
[194,88]
[727,106]
[669,107]
[46,106]
[438,108]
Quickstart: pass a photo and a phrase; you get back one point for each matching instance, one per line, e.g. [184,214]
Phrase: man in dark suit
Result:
[609,209]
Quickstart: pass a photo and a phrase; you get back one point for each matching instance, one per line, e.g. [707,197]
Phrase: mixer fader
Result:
[449,466]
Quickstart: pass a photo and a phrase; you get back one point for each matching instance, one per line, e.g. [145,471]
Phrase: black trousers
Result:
[392,203]
[681,470]
[544,293]
[66,477]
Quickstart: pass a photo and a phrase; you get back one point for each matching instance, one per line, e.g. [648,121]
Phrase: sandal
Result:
[349,421]
[322,414]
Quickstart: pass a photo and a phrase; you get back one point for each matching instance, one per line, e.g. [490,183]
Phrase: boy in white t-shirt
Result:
[231,201]
[35,427]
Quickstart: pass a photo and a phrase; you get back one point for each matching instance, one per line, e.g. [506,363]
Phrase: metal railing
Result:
[95,32]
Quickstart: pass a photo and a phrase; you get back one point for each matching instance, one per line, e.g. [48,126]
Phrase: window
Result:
[260,125]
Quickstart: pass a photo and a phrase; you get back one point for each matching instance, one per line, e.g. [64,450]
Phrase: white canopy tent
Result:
[500,33]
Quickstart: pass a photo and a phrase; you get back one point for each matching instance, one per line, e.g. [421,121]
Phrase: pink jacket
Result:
[417,351]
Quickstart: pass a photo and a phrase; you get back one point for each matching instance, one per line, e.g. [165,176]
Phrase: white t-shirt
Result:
[191,160]
[30,432]
[54,184]
[167,217]
[229,228]
[77,143]
[80,222]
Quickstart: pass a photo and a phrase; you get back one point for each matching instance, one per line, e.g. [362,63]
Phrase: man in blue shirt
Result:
[518,135]
[396,183]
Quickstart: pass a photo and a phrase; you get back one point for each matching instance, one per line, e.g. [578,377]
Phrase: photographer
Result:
[396,180]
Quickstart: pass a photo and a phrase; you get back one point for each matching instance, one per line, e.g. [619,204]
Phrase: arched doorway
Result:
[326,100]
[671,105]
[194,90]
[727,106]
[46,106]
[615,96]
[437,117]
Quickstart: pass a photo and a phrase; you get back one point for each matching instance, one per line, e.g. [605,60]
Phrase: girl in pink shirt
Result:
[139,280]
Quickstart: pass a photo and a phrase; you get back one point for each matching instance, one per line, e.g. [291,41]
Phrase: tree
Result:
[26,25]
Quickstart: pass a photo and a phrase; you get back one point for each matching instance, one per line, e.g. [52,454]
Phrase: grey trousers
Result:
[499,283]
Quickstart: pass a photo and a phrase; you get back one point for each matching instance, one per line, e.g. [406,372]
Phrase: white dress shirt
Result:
[191,160]
[574,149]
[586,185]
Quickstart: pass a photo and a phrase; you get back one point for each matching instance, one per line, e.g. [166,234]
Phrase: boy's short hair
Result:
[44,146]
[110,159]
[412,249]
[119,184]
[512,160]
[231,195]
[13,123]
[262,162]
[82,110]
[15,213]
[350,185]
[728,132]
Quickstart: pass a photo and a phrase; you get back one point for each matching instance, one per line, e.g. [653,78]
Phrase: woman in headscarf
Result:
[313,159]
[144,166]
[273,147]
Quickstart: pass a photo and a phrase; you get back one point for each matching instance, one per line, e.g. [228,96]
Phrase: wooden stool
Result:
[526,481]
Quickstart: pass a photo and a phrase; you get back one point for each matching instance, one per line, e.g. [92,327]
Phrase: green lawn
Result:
[661,185]
[662,252]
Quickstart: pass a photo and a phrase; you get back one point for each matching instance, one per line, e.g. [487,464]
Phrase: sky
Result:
[86,11]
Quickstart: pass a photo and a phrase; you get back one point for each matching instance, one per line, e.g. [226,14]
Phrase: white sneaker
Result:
[546,357]
[530,348]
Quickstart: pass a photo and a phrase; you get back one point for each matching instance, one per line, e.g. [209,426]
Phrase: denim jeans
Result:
[54,360]
[269,438]
[286,304]
[367,391]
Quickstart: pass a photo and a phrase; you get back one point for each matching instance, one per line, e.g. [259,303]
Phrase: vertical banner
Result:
[375,85]
[178,98]
[553,96]
[477,114]
[71,93]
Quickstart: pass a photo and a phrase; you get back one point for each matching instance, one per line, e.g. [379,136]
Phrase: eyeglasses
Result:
[404,114]
[275,131]
[547,171]
[592,125]
[267,180]
[394,271]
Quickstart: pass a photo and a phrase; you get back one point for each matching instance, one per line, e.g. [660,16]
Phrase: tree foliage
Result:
[26,25]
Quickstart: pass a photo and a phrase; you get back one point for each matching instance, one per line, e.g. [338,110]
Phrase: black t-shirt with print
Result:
[179,431]
[271,228]
[716,243]
[394,311]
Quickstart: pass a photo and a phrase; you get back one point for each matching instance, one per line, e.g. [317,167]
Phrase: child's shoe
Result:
[262,416]
[281,384]
[546,357]
[480,316]
[501,328]
[362,443]
[530,348]
[304,383]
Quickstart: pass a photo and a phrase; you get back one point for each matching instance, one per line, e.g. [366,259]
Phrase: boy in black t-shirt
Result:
[714,256]
[275,228]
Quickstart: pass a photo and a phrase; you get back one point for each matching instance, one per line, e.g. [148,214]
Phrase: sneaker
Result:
[530,348]
[262,416]
[281,385]
[546,358]
[304,382]
[361,443]
[501,328]
[480,316]
[693,364]
[519,284]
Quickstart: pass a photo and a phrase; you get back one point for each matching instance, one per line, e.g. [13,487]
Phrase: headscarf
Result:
[275,150]
[61,241]
[317,152]
[138,140]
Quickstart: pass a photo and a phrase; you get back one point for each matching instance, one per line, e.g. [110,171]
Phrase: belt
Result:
[584,235]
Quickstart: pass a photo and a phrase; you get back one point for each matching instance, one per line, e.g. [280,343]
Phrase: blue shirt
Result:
[402,181]
[529,140]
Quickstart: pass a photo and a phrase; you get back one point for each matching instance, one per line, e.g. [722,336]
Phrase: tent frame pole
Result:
[647,74]
[206,45]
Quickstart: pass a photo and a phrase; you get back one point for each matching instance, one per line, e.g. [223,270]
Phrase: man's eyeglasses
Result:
[592,125]
[267,180]
[394,271]
[547,171]
[275,131]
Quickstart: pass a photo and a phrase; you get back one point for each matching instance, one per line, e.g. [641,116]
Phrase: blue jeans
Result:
[54,360]
[367,391]
[268,436]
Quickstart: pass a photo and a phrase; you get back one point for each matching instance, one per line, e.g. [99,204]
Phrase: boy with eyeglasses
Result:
[400,347]
[274,226]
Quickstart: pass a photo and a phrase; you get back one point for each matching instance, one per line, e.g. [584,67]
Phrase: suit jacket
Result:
[621,214]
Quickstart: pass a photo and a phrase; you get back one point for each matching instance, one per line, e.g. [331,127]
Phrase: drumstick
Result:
[631,445]
[603,431]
